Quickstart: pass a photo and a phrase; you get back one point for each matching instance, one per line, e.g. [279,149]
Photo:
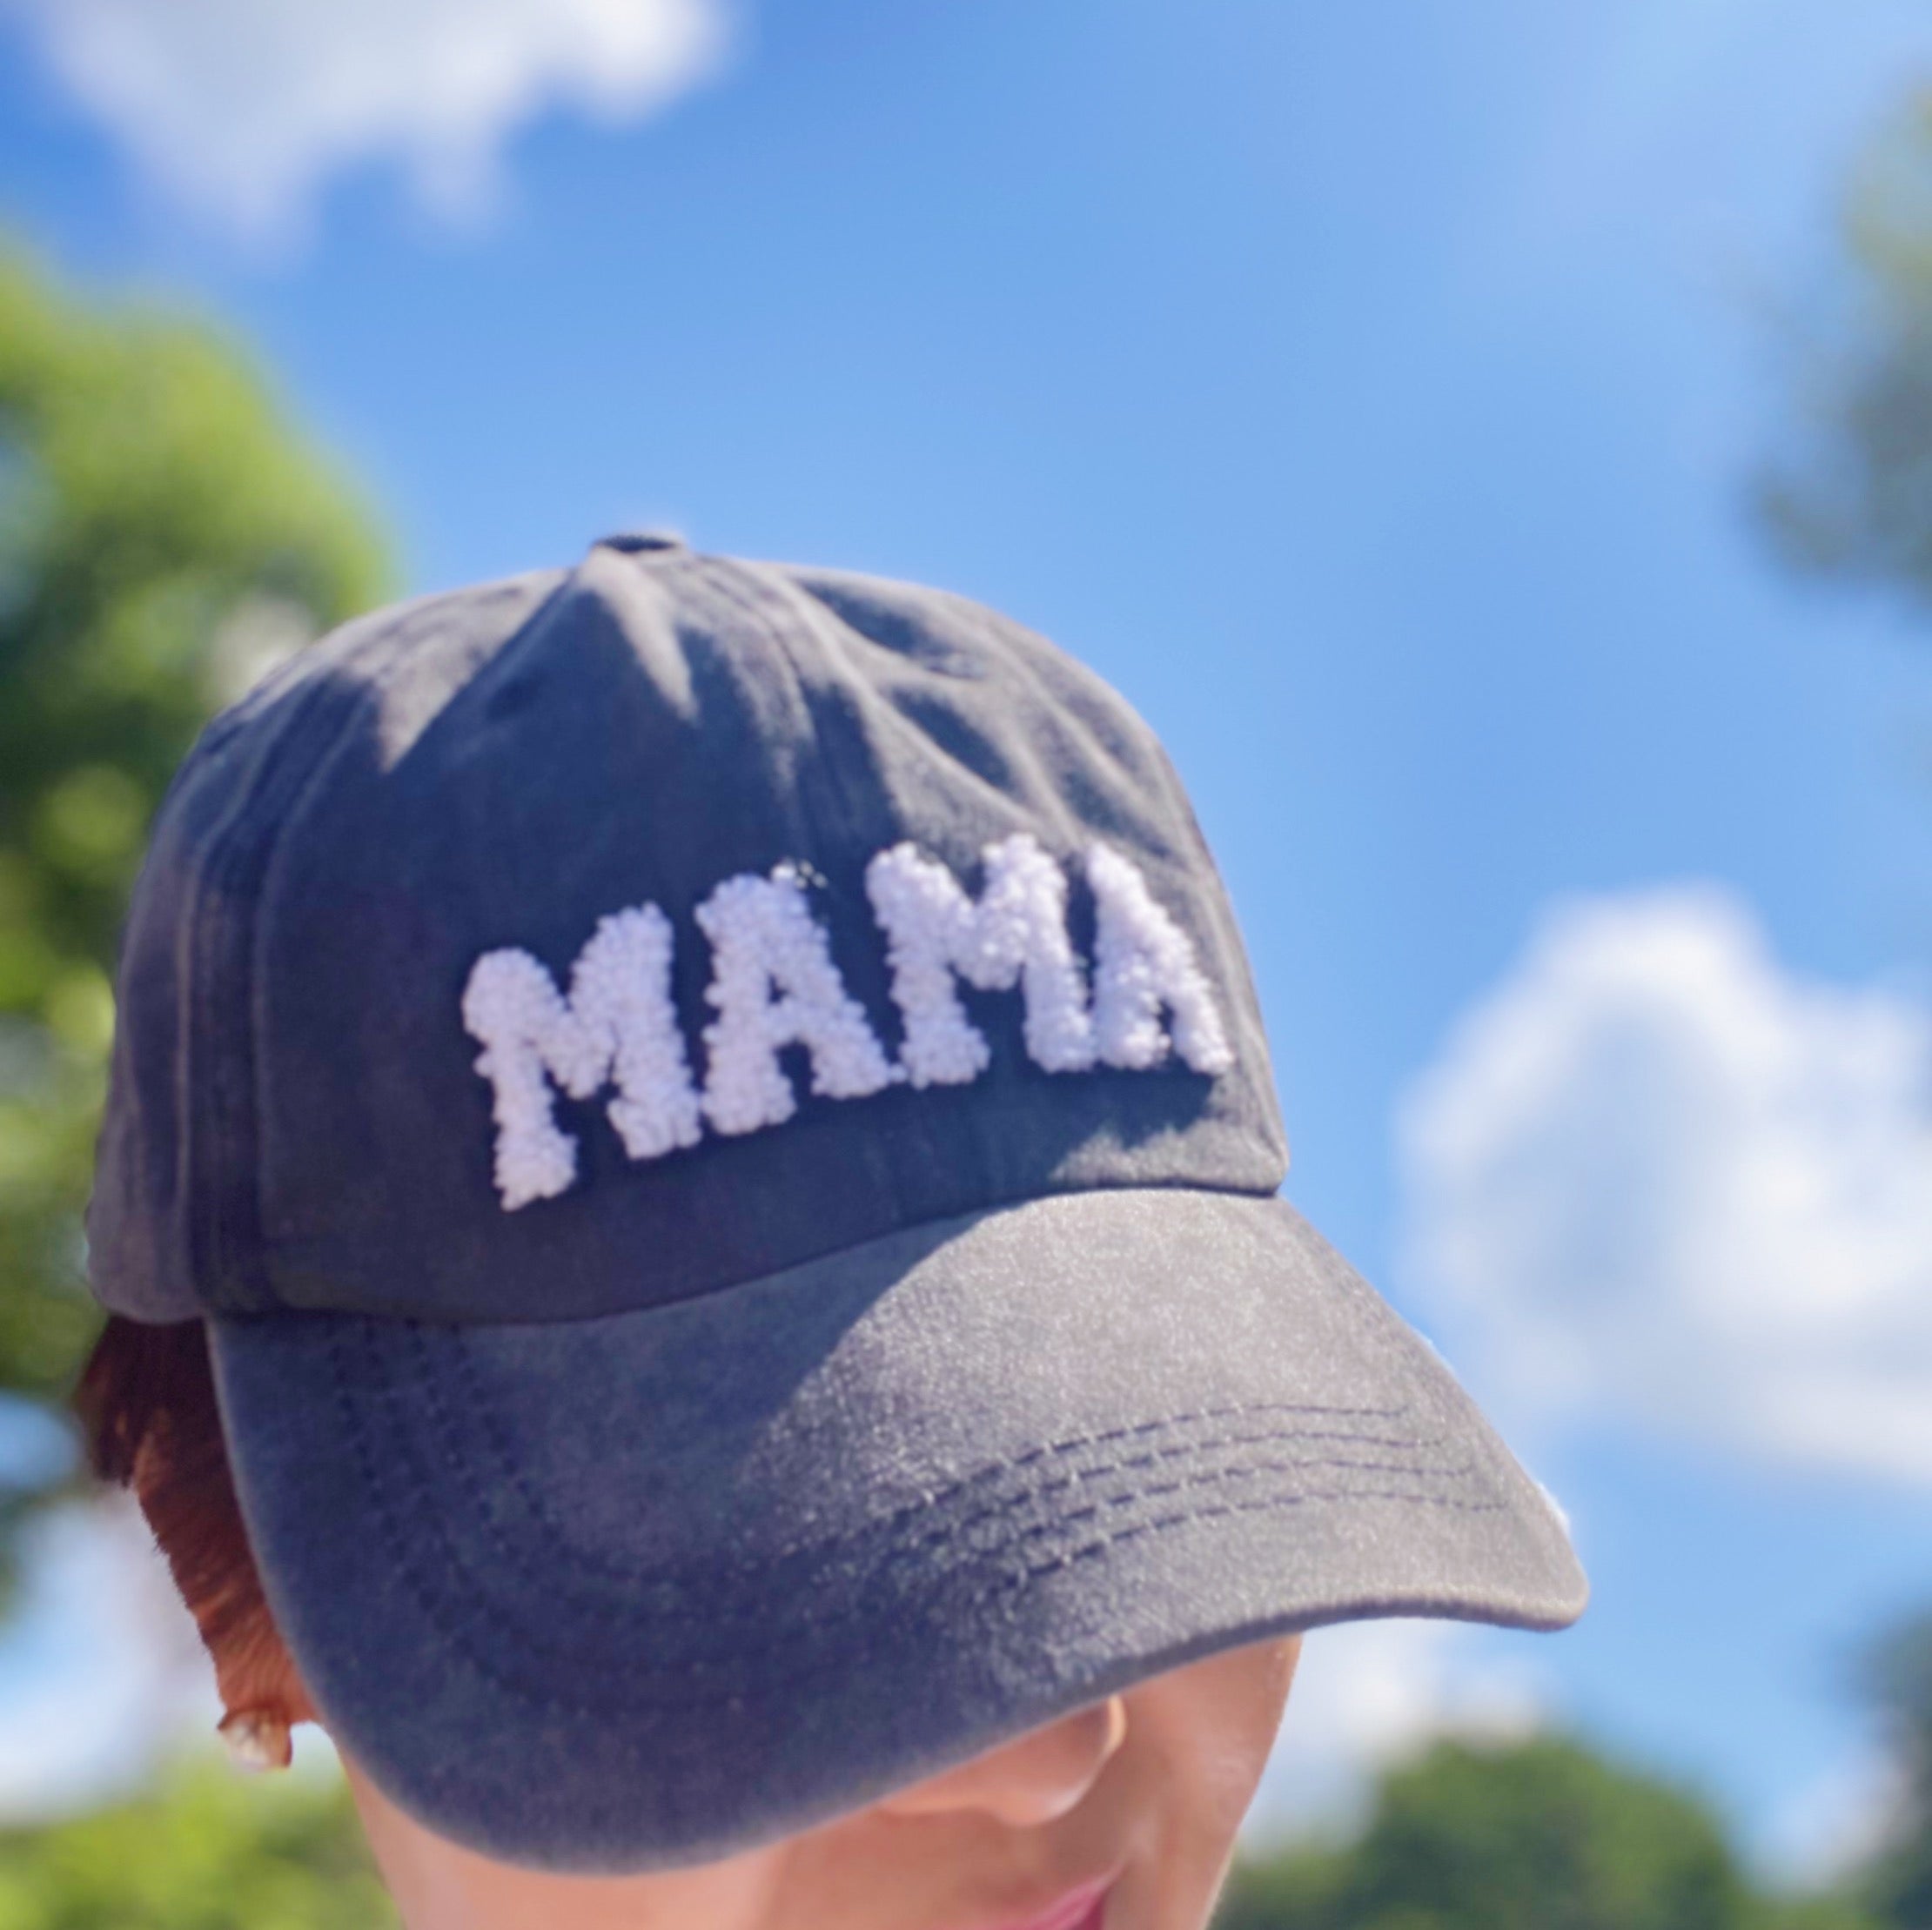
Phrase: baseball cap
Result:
[718,1119]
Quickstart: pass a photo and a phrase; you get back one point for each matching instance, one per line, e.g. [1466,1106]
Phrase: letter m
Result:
[1015,934]
[617,1027]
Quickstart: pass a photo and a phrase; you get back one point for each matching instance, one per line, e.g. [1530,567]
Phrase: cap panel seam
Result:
[223,1144]
[254,729]
[228,1250]
[750,600]
[359,700]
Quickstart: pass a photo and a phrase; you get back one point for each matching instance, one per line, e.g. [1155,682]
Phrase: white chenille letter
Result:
[617,1025]
[1015,934]
[1144,961]
[774,984]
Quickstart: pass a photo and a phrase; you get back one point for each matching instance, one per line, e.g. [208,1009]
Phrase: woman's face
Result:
[1121,1817]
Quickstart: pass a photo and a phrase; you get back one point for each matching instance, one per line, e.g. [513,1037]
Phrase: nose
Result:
[1030,1782]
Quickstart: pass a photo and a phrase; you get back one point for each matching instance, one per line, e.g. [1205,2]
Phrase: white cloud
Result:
[243,108]
[1369,1694]
[1654,1174]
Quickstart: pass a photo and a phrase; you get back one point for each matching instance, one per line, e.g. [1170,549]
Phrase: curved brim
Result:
[644,1591]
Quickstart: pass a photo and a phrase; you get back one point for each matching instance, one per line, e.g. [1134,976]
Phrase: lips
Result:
[1081,1909]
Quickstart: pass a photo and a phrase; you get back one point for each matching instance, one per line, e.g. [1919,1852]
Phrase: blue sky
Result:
[1371,393]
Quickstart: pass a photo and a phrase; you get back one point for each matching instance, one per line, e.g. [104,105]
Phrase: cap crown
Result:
[601,938]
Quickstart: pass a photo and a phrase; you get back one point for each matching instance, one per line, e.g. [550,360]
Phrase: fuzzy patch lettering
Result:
[775,984]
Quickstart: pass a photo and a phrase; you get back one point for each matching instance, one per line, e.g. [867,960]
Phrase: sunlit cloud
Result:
[1654,1176]
[246,109]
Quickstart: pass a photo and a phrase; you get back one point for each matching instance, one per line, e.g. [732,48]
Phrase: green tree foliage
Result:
[160,525]
[206,1852]
[1537,1835]
[1898,1676]
[1854,497]
[1855,501]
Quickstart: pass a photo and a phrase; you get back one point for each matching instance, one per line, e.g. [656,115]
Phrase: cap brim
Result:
[647,1590]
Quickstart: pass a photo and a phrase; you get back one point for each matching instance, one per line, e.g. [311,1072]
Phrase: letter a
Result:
[774,984]
[1142,961]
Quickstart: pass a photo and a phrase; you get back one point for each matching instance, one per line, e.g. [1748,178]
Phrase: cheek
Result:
[1225,1710]
[1206,1732]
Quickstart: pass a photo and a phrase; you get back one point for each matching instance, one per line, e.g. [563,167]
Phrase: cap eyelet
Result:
[641,541]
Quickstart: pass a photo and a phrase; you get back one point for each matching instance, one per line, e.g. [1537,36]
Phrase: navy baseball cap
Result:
[719,1122]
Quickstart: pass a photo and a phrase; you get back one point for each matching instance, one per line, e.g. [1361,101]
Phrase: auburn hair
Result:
[149,1414]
